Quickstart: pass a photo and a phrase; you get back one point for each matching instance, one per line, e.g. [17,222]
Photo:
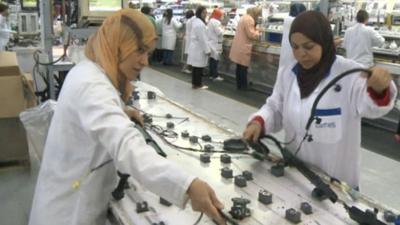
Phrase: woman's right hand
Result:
[205,200]
[134,115]
[252,131]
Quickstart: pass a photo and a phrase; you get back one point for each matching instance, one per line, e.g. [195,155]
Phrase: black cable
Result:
[101,165]
[227,218]
[163,132]
[169,134]
[36,58]
[199,219]
[164,117]
[319,96]
[183,120]
[291,159]
[159,133]
[325,89]
[201,147]
[274,139]
[301,143]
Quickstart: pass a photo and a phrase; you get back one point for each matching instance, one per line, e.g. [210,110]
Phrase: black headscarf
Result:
[316,27]
[296,9]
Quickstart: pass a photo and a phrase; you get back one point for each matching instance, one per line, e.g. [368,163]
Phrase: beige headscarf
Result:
[120,34]
[254,12]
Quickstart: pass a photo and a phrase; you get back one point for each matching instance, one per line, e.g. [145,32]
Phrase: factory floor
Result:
[230,108]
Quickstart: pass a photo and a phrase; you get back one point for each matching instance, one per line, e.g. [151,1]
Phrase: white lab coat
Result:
[198,49]
[235,21]
[337,140]
[188,28]
[169,33]
[159,33]
[89,128]
[358,42]
[215,34]
[286,56]
[4,33]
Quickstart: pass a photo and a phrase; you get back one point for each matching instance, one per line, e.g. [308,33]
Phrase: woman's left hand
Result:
[380,79]
[337,41]
[134,115]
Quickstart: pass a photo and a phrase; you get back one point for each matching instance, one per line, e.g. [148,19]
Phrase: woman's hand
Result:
[134,115]
[252,131]
[204,200]
[337,41]
[380,79]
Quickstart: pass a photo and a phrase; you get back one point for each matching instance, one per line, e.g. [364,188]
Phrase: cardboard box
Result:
[13,142]
[16,94]
[29,90]
[16,91]
[9,64]
[12,101]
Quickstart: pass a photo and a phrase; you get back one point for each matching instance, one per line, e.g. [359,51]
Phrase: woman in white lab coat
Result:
[91,137]
[199,49]
[286,55]
[335,147]
[397,135]
[170,26]
[215,34]
[158,52]
[188,27]
[4,27]
[359,40]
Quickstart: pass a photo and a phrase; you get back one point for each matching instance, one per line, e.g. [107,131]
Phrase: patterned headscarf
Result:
[120,35]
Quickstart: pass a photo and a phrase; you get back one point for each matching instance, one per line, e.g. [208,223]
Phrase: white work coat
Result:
[4,33]
[215,34]
[358,42]
[286,56]
[90,128]
[198,49]
[337,139]
[159,33]
[169,33]
[188,28]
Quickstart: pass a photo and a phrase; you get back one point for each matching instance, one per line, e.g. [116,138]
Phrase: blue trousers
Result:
[213,67]
[168,57]
[241,76]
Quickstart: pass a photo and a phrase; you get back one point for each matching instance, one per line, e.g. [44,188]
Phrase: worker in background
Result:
[199,50]
[241,47]
[359,40]
[91,136]
[286,54]
[397,135]
[147,11]
[335,147]
[215,33]
[236,17]
[158,52]
[4,27]
[189,17]
[170,26]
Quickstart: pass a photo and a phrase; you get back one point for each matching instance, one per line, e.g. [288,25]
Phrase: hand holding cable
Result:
[252,131]
[134,115]
[379,80]
[204,199]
